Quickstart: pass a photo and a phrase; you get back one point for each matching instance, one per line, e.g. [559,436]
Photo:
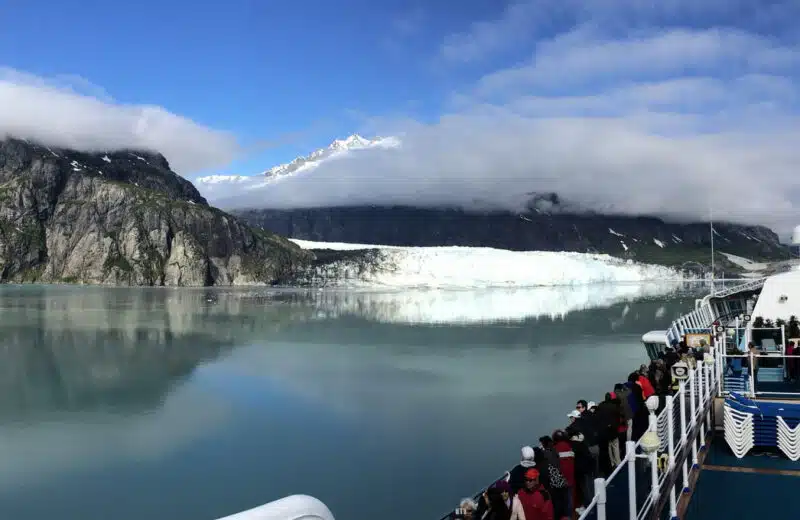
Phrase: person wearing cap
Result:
[532,502]
[586,424]
[516,478]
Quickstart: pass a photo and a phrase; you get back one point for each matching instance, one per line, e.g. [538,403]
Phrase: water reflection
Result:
[480,305]
[121,350]
[207,401]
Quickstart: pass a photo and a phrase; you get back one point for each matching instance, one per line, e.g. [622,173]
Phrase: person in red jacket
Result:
[566,459]
[532,501]
[647,386]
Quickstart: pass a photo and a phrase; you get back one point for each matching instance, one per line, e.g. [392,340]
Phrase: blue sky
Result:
[629,106]
[297,72]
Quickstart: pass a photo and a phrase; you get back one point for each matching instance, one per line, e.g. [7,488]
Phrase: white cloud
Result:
[70,112]
[664,121]
[484,38]
[522,21]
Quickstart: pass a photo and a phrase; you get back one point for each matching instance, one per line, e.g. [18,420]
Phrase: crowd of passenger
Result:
[555,479]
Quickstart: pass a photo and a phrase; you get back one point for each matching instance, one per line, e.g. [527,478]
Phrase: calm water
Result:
[193,404]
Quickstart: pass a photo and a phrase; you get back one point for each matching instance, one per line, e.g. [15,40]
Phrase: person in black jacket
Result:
[586,425]
[640,416]
[554,481]
[608,420]
[496,506]
[584,472]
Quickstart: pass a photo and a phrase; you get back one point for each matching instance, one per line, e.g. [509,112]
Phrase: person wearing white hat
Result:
[516,477]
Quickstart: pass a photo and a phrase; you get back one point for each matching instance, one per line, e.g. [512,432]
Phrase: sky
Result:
[677,108]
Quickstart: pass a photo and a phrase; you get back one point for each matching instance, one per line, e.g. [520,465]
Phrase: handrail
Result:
[691,428]
[706,314]
[684,437]
[754,284]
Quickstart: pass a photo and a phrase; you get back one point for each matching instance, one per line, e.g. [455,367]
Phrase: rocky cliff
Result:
[646,239]
[123,218]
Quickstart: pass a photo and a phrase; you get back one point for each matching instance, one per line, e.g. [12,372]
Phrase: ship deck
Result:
[761,485]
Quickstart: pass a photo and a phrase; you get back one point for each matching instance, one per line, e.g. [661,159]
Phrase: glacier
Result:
[456,267]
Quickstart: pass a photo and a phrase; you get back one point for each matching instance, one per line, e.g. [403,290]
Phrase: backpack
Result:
[557,479]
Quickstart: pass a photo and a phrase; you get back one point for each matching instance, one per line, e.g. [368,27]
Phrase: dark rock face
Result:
[123,218]
[646,239]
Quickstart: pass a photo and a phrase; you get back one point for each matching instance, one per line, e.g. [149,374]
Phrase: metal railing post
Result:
[783,351]
[654,476]
[702,402]
[682,394]
[709,395]
[630,449]
[600,492]
[671,430]
[693,411]
[692,394]
[783,338]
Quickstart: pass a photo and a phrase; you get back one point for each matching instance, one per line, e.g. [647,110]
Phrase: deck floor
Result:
[766,485]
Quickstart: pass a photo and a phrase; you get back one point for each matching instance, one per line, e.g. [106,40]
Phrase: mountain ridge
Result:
[336,149]
[639,238]
[123,218]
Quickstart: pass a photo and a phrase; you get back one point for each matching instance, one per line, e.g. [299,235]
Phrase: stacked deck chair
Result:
[751,423]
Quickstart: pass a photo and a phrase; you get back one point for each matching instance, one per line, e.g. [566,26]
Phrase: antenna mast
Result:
[711,225]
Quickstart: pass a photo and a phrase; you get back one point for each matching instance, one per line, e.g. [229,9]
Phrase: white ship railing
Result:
[742,380]
[708,311]
[668,452]
[752,285]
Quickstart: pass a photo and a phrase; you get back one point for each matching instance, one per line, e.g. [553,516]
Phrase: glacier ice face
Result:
[456,267]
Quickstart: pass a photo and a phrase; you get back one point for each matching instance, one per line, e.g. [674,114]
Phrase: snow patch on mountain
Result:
[223,179]
[213,186]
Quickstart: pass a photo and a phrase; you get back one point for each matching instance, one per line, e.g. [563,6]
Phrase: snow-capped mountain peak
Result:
[352,142]
[213,186]
[337,148]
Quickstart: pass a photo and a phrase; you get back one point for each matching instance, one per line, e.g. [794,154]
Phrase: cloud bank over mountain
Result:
[622,107]
[70,112]
[674,108]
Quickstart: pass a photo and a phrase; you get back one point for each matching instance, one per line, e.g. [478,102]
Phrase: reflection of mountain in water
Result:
[70,349]
[389,371]
[354,322]
[120,349]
